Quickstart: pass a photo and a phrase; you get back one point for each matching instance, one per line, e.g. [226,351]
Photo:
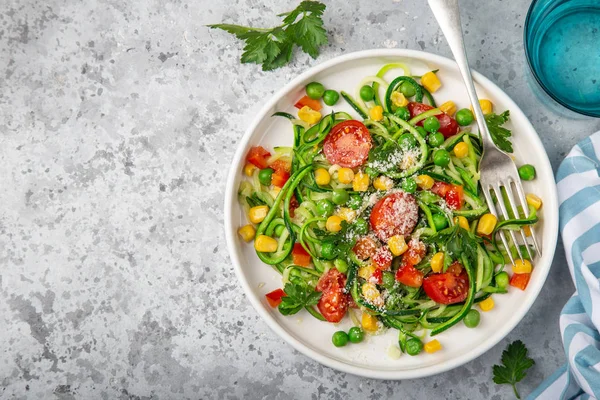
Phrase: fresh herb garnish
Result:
[342,242]
[457,242]
[515,362]
[272,47]
[297,297]
[499,134]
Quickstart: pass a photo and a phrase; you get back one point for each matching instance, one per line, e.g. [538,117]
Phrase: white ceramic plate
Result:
[370,358]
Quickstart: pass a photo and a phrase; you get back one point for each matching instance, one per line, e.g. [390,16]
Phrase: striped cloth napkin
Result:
[578,181]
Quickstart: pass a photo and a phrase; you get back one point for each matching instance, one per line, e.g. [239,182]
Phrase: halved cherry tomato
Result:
[454,197]
[448,125]
[365,248]
[395,214]
[279,178]
[447,288]
[334,302]
[274,297]
[377,276]
[441,188]
[258,156]
[307,101]
[414,254]
[300,256]
[409,275]
[520,280]
[383,258]
[281,165]
[348,144]
[455,268]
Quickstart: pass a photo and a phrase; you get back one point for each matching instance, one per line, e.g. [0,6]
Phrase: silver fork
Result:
[497,168]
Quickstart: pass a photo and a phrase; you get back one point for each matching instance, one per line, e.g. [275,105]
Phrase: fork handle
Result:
[448,17]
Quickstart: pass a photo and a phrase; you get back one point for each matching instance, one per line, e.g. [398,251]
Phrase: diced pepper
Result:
[308,102]
[274,297]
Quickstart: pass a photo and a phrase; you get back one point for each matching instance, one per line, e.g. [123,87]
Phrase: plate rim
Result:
[550,205]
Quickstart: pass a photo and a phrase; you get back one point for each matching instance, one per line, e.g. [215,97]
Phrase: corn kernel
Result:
[265,244]
[425,182]
[448,107]
[249,169]
[376,113]
[309,115]
[527,230]
[347,214]
[371,294]
[322,177]
[334,223]
[534,201]
[382,182]
[258,213]
[431,82]
[461,150]
[366,271]
[486,106]
[433,346]
[437,262]
[360,182]
[522,267]
[247,232]
[487,304]
[462,222]
[397,245]
[369,322]
[398,99]
[345,175]
[486,224]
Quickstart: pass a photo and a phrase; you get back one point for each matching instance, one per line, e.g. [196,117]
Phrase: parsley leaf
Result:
[297,297]
[516,363]
[457,242]
[273,47]
[499,134]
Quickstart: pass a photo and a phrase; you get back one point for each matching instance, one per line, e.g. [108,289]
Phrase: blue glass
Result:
[562,44]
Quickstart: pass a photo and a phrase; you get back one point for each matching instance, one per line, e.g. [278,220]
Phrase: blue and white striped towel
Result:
[578,180]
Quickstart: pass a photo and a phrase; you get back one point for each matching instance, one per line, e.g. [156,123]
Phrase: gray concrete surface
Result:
[117,124]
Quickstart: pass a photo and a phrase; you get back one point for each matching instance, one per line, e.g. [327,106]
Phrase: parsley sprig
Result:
[500,134]
[273,47]
[516,363]
[297,297]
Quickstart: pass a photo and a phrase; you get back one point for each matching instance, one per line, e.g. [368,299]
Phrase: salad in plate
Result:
[382,217]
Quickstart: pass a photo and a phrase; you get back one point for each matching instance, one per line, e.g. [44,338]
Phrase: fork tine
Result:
[525,206]
[505,214]
[490,202]
[513,204]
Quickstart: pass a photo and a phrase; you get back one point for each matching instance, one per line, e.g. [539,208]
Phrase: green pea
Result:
[409,185]
[361,226]
[441,158]
[435,139]
[439,221]
[402,113]
[472,318]
[325,207]
[526,172]
[407,89]
[413,346]
[355,201]
[502,279]
[388,280]
[367,93]
[339,339]
[340,196]
[264,176]
[341,265]
[431,124]
[330,97]
[422,131]
[407,141]
[328,251]
[356,335]
[315,90]
[464,117]
[279,230]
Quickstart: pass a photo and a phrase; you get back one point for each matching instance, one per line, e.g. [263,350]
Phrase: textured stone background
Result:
[117,123]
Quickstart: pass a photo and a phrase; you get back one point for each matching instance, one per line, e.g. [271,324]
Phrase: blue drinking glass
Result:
[562,46]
